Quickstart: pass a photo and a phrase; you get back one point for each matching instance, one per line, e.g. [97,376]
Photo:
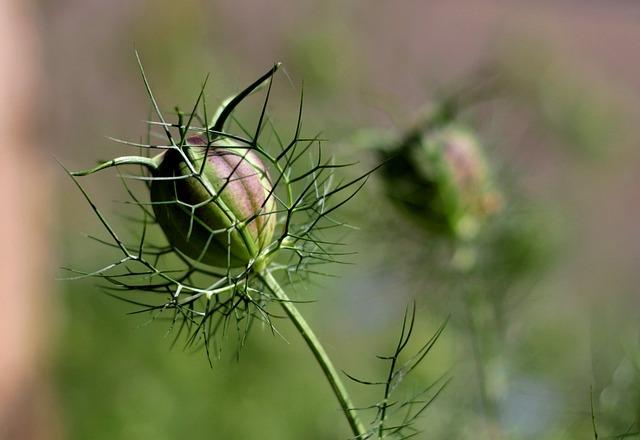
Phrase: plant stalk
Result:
[151,163]
[319,353]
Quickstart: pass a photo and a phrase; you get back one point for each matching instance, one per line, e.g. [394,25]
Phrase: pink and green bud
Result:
[221,217]
[443,180]
[466,184]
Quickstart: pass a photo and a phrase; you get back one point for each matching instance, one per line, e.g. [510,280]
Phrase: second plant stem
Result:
[319,353]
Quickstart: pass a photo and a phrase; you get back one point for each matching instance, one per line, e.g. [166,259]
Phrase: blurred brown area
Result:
[25,394]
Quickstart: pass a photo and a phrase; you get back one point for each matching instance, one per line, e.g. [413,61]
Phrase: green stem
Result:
[151,163]
[488,404]
[318,351]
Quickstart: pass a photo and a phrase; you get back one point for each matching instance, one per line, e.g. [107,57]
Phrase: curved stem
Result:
[151,163]
[229,104]
[318,351]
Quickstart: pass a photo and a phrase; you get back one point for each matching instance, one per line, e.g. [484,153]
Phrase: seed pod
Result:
[443,181]
[225,216]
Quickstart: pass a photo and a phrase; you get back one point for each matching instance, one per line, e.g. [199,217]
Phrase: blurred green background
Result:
[561,135]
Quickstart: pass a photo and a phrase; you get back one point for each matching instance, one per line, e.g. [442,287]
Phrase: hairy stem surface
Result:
[319,353]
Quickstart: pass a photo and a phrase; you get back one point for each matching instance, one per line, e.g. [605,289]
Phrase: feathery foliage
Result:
[202,302]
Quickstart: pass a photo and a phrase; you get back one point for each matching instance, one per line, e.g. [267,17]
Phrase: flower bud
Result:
[224,217]
[442,179]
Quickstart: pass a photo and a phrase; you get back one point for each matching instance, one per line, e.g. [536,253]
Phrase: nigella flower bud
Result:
[443,180]
[222,217]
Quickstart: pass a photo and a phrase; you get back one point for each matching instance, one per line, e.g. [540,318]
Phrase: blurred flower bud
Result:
[443,181]
[225,216]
